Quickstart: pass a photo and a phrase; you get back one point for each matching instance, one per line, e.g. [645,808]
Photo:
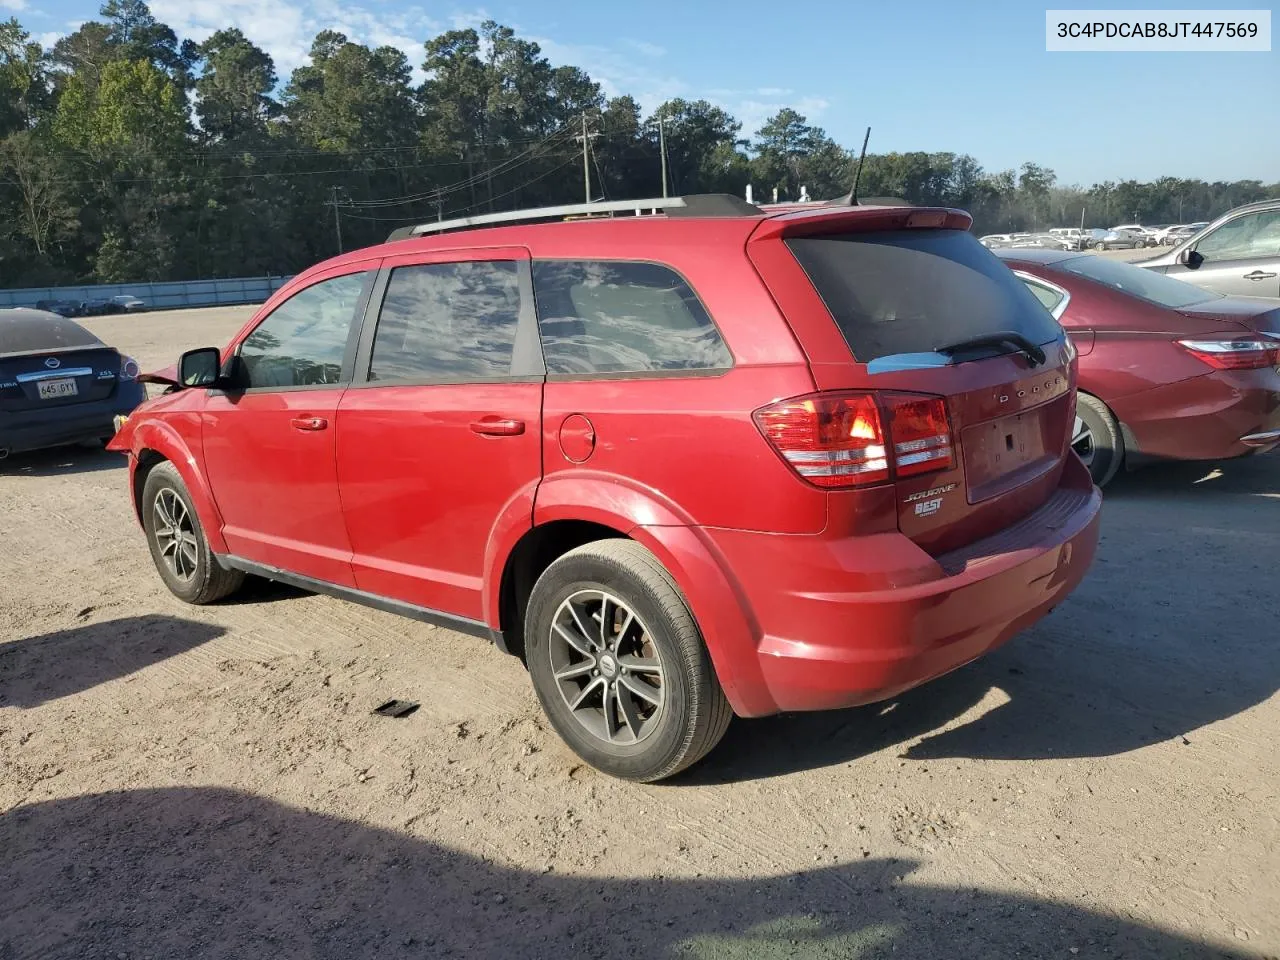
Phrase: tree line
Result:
[127,154]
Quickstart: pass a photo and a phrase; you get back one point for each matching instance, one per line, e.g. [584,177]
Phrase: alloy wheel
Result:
[175,534]
[1082,442]
[606,667]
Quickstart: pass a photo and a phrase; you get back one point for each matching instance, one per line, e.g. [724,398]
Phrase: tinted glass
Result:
[913,291]
[1046,295]
[1253,235]
[448,321]
[304,339]
[600,316]
[1136,281]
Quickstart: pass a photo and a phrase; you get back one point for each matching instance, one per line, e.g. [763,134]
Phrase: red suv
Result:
[691,461]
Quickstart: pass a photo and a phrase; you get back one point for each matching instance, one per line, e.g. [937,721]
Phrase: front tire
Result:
[1097,439]
[178,545]
[618,663]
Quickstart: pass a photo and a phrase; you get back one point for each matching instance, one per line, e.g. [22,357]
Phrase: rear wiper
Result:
[1003,338]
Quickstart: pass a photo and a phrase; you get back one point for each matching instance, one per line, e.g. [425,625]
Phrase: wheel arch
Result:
[154,443]
[568,514]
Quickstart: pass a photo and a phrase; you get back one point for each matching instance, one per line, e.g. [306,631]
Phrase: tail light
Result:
[837,440]
[129,368]
[1242,354]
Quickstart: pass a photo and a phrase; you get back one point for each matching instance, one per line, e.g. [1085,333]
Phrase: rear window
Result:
[619,317]
[913,291]
[1136,281]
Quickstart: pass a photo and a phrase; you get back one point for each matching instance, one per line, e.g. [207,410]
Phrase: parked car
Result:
[1120,240]
[1238,254]
[59,384]
[683,465]
[63,308]
[1073,237]
[94,308]
[992,240]
[126,304]
[1168,371]
[1146,234]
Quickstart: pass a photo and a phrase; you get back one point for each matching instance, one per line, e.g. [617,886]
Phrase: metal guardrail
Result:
[158,296]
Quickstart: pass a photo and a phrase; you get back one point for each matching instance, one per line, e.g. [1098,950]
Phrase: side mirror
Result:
[1191,259]
[200,368]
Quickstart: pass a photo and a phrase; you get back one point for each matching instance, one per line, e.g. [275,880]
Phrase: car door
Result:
[438,436]
[269,441]
[1241,257]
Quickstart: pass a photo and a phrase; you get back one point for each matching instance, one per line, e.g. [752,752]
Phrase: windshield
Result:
[1137,281]
[913,291]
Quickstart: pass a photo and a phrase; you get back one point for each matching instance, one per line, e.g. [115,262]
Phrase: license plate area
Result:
[57,389]
[1000,455]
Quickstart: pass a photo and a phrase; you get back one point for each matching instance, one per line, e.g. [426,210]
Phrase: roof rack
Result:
[696,205]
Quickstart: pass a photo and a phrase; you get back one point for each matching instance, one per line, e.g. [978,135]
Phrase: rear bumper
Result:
[1207,418]
[72,423]
[834,637]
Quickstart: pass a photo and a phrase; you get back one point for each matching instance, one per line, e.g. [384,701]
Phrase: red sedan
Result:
[1168,371]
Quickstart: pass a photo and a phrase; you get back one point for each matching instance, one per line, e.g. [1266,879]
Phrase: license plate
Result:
[54,389]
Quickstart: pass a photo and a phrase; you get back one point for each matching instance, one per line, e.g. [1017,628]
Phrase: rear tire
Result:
[1097,439]
[178,545]
[618,663]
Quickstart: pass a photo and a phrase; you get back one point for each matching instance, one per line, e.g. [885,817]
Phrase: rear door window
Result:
[1051,297]
[914,291]
[621,317]
[448,322]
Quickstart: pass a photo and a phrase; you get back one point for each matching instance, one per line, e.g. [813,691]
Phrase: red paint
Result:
[807,597]
[1174,405]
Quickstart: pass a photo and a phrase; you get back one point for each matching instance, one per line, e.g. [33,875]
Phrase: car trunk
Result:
[39,381]
[931,312]
[1257,314]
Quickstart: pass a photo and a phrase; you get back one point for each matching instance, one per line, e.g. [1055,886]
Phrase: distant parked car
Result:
[1146,234]
[992,240]
[94,308]
[59,384]
[63,308]
[1120,240]
[1167,371]
[1238,254]
[126,304]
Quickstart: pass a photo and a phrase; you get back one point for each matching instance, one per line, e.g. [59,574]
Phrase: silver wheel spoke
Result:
[641,665]
[586,634]
[622,633]
[576,670]
[581,644]
[586,692]
[605,621]
[1081,431]
[642,690]
[628,709]
[611,721]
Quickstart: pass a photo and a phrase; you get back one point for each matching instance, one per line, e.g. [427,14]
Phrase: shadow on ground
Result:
[1174,628]
[215,873]
[38,669]
[60,461]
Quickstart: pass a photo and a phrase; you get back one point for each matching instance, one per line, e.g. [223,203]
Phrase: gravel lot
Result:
[179,782]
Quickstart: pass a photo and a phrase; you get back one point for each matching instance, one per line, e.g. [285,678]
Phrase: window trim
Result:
[711,372]
[526,358]
[368,267]
[1061,307]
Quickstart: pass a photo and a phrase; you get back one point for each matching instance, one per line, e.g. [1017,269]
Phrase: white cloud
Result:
[648,49]
[47,40]
[13,4]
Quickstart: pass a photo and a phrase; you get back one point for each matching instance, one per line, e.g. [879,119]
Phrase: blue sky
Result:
[968,77]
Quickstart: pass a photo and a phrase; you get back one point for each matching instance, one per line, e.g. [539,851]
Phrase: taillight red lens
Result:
[832,440]
[838,439]
[921,434]
[1240,354]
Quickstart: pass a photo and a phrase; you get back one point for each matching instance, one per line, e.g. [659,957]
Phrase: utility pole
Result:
[662,152]
[337,219]
[586,139]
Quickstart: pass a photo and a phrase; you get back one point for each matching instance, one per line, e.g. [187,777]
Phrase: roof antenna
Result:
[853,194]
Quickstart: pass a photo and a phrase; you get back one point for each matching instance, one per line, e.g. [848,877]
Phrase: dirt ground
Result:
[181,782]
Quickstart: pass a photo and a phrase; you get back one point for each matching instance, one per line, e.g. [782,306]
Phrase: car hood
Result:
[1261,314]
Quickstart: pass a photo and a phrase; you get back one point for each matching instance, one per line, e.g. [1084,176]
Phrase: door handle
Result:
[309,423]
[496,427]
[1258,275]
